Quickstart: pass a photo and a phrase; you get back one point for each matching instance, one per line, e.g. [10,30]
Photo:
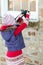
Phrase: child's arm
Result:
[21,27]
[4,27]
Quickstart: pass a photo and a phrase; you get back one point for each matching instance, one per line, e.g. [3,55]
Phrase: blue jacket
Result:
[13,43]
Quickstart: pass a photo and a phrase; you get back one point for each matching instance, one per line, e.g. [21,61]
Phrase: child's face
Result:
[20,21]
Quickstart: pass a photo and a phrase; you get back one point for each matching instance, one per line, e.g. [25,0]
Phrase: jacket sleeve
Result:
[6,35]
[4,27]
[19,29]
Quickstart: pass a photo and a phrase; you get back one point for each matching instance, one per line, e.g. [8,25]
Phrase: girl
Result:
[13,39]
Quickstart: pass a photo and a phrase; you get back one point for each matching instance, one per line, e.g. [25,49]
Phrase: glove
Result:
[27,15]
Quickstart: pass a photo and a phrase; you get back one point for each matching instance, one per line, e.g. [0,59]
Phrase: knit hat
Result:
[8,20]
